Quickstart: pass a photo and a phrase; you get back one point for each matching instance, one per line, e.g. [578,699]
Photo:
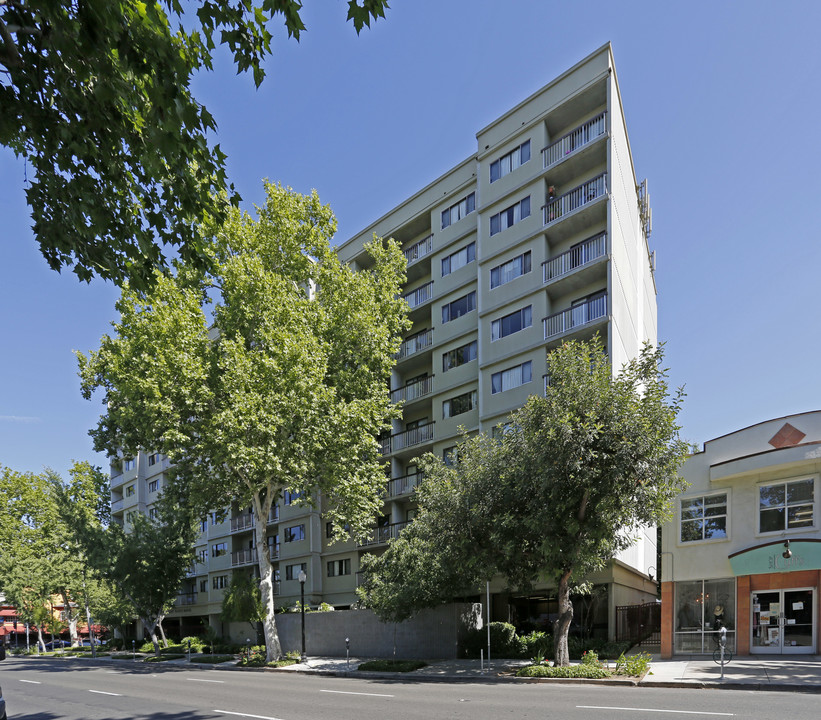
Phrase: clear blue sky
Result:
[723,110]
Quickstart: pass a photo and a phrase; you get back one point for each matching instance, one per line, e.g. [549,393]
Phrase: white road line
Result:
[33,682]
[203,680]
[635,709]
[101,692]
[260,717]
[342,692]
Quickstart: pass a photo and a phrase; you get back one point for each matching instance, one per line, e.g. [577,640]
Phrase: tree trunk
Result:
[40,642]
[273,650]
[561,625]
[71,618]
[162,633]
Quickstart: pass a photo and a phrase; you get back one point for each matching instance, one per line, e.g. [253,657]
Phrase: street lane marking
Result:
[101,692]
[203,680]
[342,692]
[260,717]
[33,682]
[635,709]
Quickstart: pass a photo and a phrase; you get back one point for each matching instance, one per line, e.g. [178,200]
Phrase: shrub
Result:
[392,665]
[214,659]
[568,671]
[197,644]
[636,665]
[504,643]
[282,663]
[163,658]
[591,659]
[536,643]
[253,656]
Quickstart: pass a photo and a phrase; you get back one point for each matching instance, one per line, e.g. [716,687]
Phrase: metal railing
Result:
[413,391]
[407,438]
[404,484]
[576,316]
[384,534]
[414,344]
[420,295]
[583,253]
[242,522]
[575,139]
[419,250]
[574,199]
[186,598]
[273,516]
[117,505]
[244,557]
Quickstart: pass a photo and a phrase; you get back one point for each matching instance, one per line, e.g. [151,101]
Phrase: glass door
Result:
[782,621]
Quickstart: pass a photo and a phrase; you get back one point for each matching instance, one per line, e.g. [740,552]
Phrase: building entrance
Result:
[783,621]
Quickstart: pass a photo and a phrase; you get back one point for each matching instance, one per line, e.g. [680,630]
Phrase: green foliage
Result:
[164,657]
[504,642]
[255,656]
[636,665]
[325,607]
[122,163]
[242,602]
[213,659]
[566,671]
[589,657]
[392,665]
[280,385]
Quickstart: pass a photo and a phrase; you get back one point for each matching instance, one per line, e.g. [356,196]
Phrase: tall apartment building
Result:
[537,238]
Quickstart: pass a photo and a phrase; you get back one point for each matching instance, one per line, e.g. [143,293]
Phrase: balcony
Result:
[413,391]
[419,250]
[404,485]
[249,556]
[408,438]
[575,140]
[384,534]
[273,516]
[415,344]
[186,599]
[117,505]
[242,522]
[558,208]
[579,256]
[419,296]
[575,317]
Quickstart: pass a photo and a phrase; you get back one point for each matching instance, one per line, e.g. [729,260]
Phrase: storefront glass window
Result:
[700,607]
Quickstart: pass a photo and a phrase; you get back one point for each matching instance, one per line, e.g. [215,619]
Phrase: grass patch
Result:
[88,654]
[392,665]
[282,663]
[568,671]
[212,659]
[163,658]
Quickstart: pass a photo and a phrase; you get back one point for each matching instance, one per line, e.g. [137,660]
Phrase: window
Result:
[509,324]
[786,505]
[697,605]
[504,273]
[214,519]
[449,456]
[294,533]
[219,549]
[510,216]
[508,163]
[153,485]
[511,378]
[219,582]
[129,464]
[459,259]
[501,430]
[129,491]
[129,516]
[203,524]
[459,356]
[292,571]
[704,518]
[459,210]
[329,529]
[203,586]
[202,555]
[339,567]
[153,459]
[153,513]
[457,308]
[289,497]
[459,404]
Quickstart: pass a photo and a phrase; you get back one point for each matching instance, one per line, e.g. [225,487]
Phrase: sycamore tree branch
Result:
[10,57]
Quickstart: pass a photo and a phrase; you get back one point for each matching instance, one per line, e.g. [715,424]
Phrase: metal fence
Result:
[639,624]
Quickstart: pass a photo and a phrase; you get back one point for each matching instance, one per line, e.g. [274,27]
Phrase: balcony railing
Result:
[382,535]
[420,295]
[249,556]
[117,505]
[574,199]
[242,522]
[408,438]
[576,316]
[575,140]
[414,344]
[186,598]
[273,516]
[404,484]
[413,391]
[419,250]
[583,253]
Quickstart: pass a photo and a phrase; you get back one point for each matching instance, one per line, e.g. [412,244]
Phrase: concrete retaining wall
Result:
[432,634]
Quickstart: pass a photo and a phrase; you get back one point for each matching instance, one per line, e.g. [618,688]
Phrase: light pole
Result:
[302,578]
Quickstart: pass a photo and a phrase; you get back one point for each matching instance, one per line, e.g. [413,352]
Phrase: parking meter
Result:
[348,653]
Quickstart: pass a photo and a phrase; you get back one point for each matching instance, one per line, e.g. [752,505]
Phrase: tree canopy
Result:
[281,384]
[96,96]
[556,494]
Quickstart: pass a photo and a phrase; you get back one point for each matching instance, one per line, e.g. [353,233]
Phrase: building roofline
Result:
[750,427]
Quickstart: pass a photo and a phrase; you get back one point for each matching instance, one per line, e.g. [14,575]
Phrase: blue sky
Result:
[722,104]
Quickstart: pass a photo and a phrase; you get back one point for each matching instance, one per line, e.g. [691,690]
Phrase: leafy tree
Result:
[554,497]
[280,386]
[242,602]
[96,96]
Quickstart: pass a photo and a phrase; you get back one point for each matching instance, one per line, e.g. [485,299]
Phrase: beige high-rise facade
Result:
[539,237]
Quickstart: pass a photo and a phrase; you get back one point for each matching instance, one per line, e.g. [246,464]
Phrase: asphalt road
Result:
[41,689]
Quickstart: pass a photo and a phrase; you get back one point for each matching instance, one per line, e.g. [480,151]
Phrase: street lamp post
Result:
[302,578]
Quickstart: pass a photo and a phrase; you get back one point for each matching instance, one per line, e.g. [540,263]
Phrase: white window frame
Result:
[471,301]
[459,210]
[496,325]
[510,161]
[512,378]
[507,271]
[786,529]
[289,530]
[511,215]
[703,496]
[454,351]
[447,405]
[459,259]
